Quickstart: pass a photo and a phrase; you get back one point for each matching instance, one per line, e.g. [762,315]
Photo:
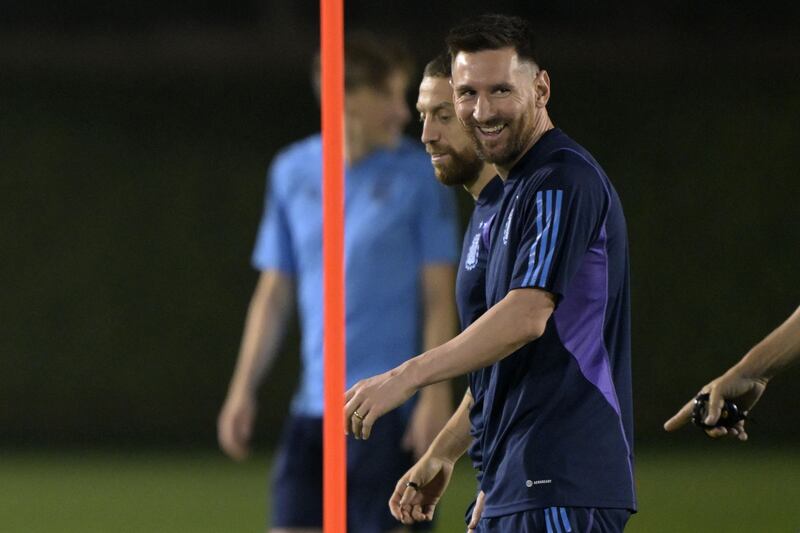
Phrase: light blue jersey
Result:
[398,219]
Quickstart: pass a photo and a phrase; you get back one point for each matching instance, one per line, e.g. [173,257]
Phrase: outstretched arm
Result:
[746,381]
[516,320]
[435,403]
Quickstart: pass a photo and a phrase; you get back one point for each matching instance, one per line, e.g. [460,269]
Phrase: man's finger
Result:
[394,509]
[408,493]
[407,519]
[231,443]
[242,428]
[404,516]
[367,423]
[235,450]
[356,422]
[347,415]
[681,417]
[399,488]
[350,406]
[477,511]
[739,432]
[240,442]
[350,393]
[397,495]
[715,402]
[417,514]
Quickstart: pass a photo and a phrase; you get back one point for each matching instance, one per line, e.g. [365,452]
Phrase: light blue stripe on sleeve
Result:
[554,514]
[547,521]
[543,211]
[565,520]
[533,257]
[553,238]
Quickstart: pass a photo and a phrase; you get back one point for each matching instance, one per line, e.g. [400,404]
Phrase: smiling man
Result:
[558,430]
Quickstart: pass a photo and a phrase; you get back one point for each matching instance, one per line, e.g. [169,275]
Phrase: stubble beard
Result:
[520,132]
[464,169]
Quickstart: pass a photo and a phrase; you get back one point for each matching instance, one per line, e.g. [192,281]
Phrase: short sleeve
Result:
[557,225]
[437,228]
[273,248]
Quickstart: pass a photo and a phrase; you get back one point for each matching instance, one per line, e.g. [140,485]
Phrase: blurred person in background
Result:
[745,382]
[457,164]
[400,252]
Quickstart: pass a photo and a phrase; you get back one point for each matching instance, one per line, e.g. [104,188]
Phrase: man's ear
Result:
[541,86]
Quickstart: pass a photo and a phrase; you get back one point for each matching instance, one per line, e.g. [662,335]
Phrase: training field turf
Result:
[723,488]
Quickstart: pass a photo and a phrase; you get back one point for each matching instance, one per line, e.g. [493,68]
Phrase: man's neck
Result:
[485,176]
[355,151]
[540,129]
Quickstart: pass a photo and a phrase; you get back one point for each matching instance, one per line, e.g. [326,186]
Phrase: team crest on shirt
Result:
[472,253]
[508,226]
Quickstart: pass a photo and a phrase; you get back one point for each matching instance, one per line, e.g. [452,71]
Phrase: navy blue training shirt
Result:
[558,424]
[471,293]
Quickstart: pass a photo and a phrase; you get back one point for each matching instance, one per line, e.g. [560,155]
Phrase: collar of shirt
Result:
[542,146]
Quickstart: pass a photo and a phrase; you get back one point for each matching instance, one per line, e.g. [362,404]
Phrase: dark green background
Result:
[132,157]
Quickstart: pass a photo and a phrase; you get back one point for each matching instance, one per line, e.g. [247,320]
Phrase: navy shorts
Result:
[558,520]
[373,468]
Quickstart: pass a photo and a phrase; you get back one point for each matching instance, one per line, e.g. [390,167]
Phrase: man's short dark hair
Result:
[369,61]
[492,32]
[438,67]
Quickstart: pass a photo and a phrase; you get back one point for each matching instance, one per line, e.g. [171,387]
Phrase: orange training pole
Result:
[334,460]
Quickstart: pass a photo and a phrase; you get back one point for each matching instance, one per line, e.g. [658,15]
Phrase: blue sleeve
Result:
[557,226]
[437,228]
[273,249]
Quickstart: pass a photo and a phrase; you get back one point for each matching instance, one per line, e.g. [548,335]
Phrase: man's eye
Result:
[502,90]
[445,118]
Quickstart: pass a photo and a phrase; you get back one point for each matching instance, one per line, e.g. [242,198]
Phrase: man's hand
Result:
[477,511]
[371,398]
[235,425]
[743,390]
[433,410]
[416,494]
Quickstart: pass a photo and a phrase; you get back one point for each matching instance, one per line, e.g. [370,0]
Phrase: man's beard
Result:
[463,169]
[518,140]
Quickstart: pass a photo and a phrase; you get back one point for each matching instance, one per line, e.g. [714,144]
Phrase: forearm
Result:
[454,438]
[439,323]
[777,351]
[264,329]
[437,394]
[440,319]
[515,321]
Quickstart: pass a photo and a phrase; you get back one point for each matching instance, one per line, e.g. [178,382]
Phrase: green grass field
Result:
[737,489]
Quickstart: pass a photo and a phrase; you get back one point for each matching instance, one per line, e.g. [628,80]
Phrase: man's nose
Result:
[483,111]
[429,132]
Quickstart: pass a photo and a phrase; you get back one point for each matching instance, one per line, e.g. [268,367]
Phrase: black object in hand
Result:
[728,418]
